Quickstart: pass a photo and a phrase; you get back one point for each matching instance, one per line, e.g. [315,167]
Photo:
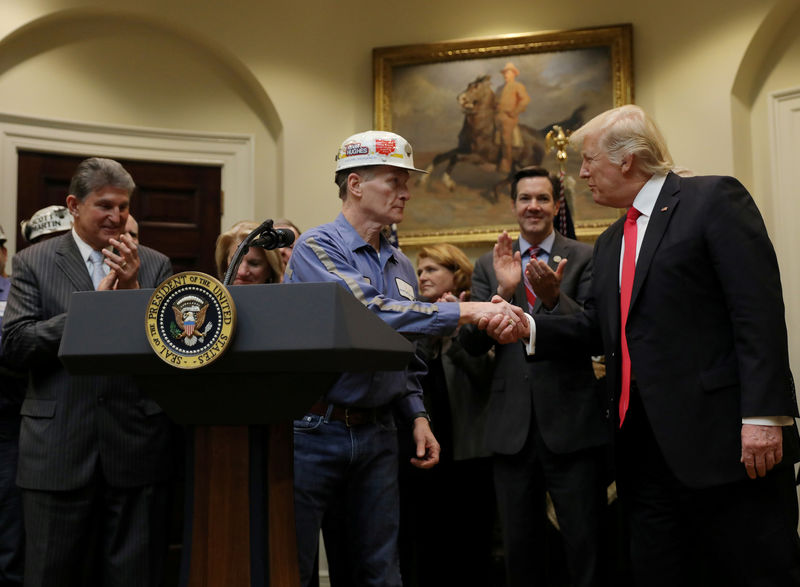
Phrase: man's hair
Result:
[535,172]
[454,259]
[628,130]
[95,173]
[231,238]
[366,172]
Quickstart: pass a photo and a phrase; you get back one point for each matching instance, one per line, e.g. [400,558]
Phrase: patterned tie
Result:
[626,288]
[529,293]
[97,267]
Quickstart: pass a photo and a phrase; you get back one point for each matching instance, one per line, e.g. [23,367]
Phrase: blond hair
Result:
[235,235]
[628,130]
[452,258]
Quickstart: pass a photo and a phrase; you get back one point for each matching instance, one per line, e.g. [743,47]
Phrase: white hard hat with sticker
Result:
[376,147]
[46,221]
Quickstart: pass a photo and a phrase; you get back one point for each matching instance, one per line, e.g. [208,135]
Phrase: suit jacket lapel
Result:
[561,249]
[68,260]
[609,274]
[665,205]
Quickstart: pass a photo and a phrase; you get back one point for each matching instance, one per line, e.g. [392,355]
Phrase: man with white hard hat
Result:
[345,459]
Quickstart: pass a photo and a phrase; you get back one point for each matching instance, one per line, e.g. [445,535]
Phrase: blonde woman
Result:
[257,266]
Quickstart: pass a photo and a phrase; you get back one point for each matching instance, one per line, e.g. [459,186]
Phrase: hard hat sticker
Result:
[355,149]
[385,146]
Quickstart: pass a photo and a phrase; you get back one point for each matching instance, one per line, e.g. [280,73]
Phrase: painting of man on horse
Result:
[475,122]
[484,140]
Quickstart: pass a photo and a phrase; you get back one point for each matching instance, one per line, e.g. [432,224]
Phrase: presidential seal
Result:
[190,320]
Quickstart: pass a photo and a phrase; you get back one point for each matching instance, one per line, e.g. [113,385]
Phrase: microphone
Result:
[266,237]
[274,238]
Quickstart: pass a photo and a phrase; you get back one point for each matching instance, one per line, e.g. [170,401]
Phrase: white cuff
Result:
[530,346]
[769,421]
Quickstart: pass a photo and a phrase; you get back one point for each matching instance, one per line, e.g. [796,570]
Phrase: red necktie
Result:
[626,288]
[529,293]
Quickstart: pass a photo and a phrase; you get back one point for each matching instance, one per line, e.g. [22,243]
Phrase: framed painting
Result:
[476,110]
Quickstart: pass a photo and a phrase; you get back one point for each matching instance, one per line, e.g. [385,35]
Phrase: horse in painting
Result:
[477,139]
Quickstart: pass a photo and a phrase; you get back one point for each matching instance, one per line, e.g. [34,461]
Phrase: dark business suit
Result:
[545,423]
[708,347]
[79,432]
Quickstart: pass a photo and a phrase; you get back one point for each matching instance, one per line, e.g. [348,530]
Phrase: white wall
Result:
[298,76]
[314,63]
[780,71]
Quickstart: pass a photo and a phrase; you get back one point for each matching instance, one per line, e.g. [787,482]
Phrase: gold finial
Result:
[557,139]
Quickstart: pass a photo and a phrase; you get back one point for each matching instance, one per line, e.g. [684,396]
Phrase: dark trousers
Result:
[97,535]
[738,534]
[576,483]
[345,483]
[12,535]
[446,520]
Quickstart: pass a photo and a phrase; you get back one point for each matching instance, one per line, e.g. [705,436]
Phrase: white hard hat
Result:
[375,147]
[46,221]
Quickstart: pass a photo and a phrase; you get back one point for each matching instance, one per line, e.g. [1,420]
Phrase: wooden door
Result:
[178,206]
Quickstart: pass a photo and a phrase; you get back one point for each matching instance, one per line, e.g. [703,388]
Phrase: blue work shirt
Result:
[5,287]
[386,285]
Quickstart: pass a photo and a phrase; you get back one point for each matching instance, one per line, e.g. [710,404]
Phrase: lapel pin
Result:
[557,259]
[665,208]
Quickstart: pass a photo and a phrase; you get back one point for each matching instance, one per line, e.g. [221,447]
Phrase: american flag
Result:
[563,222]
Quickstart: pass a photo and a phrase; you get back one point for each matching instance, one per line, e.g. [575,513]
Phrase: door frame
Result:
[784,125]
[235,153]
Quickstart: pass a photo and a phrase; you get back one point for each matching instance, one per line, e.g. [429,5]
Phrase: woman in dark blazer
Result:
[447,512]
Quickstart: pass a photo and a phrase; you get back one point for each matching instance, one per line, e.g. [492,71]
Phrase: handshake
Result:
[504,322]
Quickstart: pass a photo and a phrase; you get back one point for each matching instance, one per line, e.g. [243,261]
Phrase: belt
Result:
[350,416]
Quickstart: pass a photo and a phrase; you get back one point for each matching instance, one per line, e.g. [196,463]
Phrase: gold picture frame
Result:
[424,92]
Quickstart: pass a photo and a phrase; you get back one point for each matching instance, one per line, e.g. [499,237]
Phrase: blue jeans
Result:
[345,483]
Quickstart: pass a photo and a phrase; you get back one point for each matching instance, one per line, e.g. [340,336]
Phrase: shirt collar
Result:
[545,246]
[645,200]
[354,241]
[84,248]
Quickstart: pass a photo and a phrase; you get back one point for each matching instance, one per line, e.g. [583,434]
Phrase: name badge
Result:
[405,289]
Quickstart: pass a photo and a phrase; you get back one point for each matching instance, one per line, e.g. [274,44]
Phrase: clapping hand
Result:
[124,263]
[507,266]
[545,282]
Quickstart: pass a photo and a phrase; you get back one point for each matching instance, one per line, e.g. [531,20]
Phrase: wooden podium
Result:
[291,343]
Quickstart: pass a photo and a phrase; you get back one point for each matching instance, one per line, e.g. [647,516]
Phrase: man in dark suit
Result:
[93,450]
[546,422]
[687,304]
